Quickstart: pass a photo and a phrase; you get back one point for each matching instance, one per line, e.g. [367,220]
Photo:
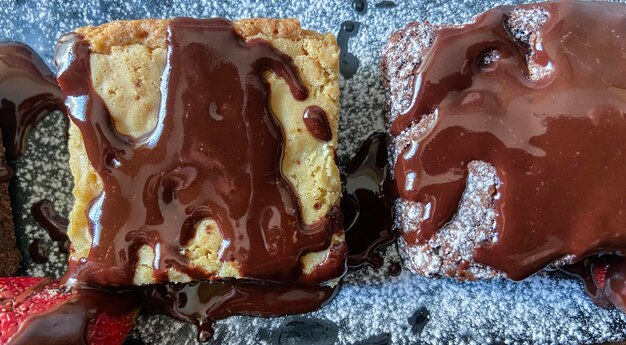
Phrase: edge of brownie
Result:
[450,252]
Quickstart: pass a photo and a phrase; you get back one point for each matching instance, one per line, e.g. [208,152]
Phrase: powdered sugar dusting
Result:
[450,251]
[543,309]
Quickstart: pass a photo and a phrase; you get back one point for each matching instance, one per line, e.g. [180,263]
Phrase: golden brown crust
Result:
[149,32]
[152,32]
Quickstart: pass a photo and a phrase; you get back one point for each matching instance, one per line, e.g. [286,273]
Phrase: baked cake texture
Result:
[127,61]
[450,252]
[9,254]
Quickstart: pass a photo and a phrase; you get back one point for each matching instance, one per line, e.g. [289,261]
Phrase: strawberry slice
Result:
[598,273]
[23,298]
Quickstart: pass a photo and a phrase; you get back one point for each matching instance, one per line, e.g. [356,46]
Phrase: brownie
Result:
[126,65]
[433,244]
[9,254]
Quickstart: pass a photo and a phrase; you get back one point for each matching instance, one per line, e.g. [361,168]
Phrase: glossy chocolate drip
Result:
[199,303]
[316,121]
[395,268]
[56,225]
[614,285]
[348,62]
[366,203]
[360,6]
[556,137]
[38,250]
[386,4]
[67,322]
[28,92]
[191,166]
[419,319]
[6,172]
[204,302]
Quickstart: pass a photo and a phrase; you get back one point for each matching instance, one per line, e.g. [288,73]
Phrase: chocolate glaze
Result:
[556,138]
[28,92]
[200,303]
[419,319]
[191,166]
[67,322]
[165,185]
[204,302]
[360,6]
[305,331]
[316,121]
[38,250]
[395,268]
[614,287]
[366,202]
[56,225]
[386,4]
[348,62]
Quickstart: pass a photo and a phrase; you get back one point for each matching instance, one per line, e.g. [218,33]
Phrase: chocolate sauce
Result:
[157,187]
[305,331]
[316,121]
[419,319]
[614,287]
[56,225]
[360,6]
[67,322]
[28,92]
[386,4]
[200,303]
[38,250]
[366,204]
[204,302]
[395,268]
[348,62]
[556,138]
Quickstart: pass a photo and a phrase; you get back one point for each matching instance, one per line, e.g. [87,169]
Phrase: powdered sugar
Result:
[540,310]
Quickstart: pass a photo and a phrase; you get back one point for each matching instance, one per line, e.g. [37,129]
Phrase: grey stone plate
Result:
[372,307]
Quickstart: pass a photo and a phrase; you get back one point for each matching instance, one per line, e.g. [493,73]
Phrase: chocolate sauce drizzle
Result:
[316,121]
[360,6]
[386,4]
[56,225]
[348,62]
[156,188]
[28,92]
[201,303]
[556,138]
[67,322]
[161,183]
[366,203]
[38,251]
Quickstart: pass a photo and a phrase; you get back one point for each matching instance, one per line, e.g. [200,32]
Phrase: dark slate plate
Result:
[373,307]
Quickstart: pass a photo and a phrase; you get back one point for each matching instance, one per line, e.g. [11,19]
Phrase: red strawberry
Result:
[106,329]
[22,297]
[599,274]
